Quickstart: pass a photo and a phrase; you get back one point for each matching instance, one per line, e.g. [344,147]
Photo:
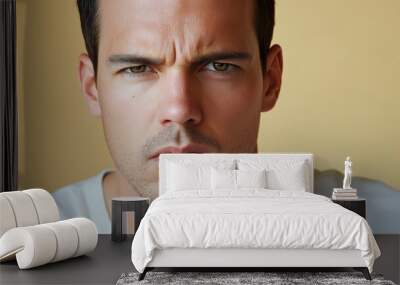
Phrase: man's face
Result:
[177,76]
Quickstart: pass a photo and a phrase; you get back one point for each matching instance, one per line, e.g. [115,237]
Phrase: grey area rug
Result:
[273,278]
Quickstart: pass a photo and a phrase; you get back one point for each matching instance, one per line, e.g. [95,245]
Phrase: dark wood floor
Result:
[389,262]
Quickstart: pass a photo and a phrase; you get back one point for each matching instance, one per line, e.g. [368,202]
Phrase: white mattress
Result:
[253,218]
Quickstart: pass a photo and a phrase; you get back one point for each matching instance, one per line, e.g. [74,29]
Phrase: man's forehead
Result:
[190,24]
[161,10]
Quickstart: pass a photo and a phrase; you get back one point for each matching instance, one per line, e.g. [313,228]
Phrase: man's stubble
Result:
[142,172]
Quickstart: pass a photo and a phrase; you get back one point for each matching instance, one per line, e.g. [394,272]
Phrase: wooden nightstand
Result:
[358,206]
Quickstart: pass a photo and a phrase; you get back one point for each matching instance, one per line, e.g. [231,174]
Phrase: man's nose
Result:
[179,102]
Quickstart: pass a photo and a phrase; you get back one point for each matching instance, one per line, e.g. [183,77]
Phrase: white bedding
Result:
[251,218]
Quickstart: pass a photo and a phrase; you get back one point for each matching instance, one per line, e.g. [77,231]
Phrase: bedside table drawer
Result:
[357,206]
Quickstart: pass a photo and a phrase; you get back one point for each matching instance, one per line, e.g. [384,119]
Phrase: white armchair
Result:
[31,232]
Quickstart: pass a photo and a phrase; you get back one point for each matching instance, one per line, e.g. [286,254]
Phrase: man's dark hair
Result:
[264,24]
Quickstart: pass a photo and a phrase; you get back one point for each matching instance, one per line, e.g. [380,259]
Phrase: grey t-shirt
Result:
[85,199]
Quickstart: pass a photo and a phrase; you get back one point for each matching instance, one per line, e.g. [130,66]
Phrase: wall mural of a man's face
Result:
[178,76]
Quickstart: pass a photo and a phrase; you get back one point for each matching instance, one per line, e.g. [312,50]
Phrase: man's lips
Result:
[191,148]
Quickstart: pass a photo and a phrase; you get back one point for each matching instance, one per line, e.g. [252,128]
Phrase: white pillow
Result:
[223,179]
[281,174]
[251,178]
[181,177]
[236,179]
[189,174]
[289,179]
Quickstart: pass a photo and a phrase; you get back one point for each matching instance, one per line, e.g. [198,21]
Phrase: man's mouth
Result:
[190,148]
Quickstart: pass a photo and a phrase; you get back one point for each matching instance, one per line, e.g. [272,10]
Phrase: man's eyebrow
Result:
[215,56]
[118,59]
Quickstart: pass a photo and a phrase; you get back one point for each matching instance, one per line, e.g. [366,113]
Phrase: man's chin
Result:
[148,190]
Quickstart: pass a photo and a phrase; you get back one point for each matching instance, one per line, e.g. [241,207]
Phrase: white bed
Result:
[198,223]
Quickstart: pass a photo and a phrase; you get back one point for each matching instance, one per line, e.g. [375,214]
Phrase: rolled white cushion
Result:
[23,208]
[40,244]
[67,240]
[33,245]
[46,207]
[7,218]
[87,235]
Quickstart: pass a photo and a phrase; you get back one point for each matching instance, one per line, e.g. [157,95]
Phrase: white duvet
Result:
[253,218]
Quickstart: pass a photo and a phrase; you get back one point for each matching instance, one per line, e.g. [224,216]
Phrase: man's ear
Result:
[87,77]
[272,78]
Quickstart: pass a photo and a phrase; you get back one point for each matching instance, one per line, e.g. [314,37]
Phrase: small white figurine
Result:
[347,174]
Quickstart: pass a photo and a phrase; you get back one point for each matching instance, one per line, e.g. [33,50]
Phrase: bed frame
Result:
[248,259]
[261,259]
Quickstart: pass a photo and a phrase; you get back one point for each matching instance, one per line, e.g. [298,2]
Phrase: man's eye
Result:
[136,69]
[220,66]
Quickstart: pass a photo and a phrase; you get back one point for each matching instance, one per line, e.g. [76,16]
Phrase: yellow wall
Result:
[340,94]
[341,90]
[61,142]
